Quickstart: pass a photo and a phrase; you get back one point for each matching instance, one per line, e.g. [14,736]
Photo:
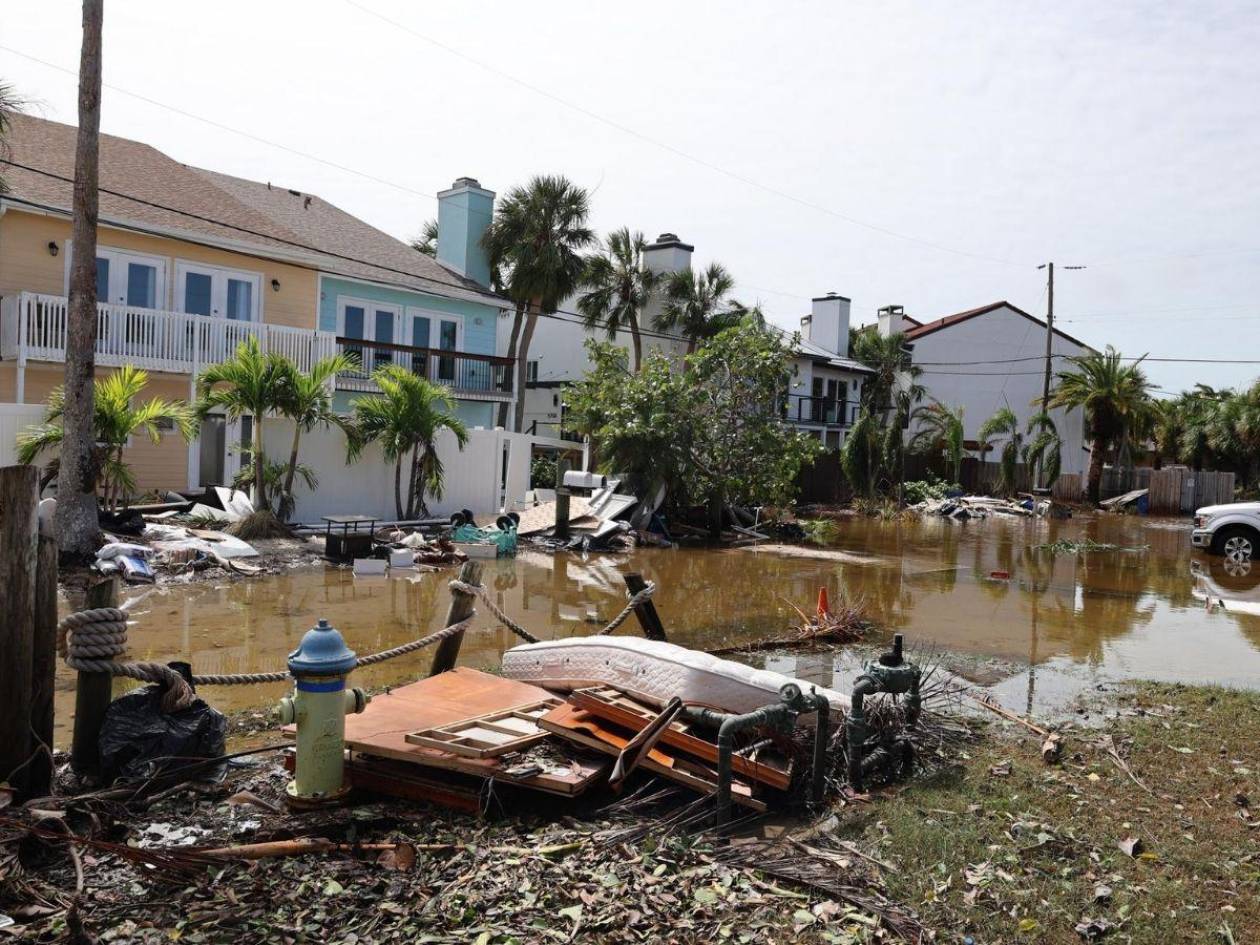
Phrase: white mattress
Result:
[652,671]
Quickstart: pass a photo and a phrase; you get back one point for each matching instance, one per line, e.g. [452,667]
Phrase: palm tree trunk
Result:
[411,482]
[522,362]
[77,527]
[1096,451]
[293,458]
[260,479]
[636,341]
[398,508]
[511,353]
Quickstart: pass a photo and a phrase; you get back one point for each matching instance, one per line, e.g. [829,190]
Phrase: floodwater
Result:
[1057,623]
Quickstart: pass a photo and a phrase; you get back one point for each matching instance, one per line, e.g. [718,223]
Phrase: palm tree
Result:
[940,431]
[696,304]
[1005,424]
[10,102]
[405,418]
[426,242]
[1113,396]
[1233,430]
[307,400]
[116,419]
[1045,450]
[618,287]
[896,378]
[253,383]
[534,244]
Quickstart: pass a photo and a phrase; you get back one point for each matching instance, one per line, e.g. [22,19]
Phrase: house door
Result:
[130,279]
[368,321]
[435,331]
[217,293]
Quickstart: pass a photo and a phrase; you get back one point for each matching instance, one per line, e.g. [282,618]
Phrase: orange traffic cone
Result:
[824,608]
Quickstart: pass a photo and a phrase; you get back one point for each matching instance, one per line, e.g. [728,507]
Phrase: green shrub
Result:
[928,490]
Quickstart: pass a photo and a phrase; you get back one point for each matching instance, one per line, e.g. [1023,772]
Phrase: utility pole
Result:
[1045,386]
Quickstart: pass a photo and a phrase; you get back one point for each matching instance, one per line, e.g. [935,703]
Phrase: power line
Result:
[679,152]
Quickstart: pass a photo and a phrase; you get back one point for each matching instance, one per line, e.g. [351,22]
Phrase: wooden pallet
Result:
[615,706]
[583,728]
[491,735]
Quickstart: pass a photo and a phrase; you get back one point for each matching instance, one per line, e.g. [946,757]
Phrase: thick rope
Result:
[635,600]
[479,590]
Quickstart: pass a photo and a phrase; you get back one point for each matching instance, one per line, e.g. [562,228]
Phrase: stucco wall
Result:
[26,265]
[981,389]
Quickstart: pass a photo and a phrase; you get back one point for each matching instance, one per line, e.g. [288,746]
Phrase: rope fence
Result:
[90,640]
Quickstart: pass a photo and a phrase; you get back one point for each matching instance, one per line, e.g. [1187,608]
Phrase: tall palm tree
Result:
[307,400]
[426,242]
[1044,451]
[940,430]
[1233,430]
[116,419]
[1003,424]
[405,418]
[1114,397]
[250,382]
[696,304]
[618,286]
[535,245]
[895,384]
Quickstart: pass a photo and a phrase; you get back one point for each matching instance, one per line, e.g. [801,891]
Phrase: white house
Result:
[823,393]
[991,357]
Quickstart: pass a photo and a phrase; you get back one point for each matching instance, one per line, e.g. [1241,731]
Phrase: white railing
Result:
[33,328]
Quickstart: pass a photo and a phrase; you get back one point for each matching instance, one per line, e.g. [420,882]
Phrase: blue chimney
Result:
[464,213]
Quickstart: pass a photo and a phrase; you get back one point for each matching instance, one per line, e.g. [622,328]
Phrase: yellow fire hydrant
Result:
[319,706]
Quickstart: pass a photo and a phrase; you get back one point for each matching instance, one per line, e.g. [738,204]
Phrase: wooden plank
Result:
[620,709]
[488,736]
[582,728]
[381,729]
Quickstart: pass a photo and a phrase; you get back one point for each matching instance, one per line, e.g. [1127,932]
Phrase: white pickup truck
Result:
[1232,530]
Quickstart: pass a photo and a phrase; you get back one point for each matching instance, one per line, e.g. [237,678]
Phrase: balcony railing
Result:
[485,376]
[820,411]
[33,328]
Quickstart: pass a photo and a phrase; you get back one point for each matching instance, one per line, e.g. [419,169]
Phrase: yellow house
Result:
[189,263]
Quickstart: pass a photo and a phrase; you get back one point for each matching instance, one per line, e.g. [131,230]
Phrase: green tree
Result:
[535,244]
[1044,450]
[895,384]
[940,431]
[427,241]
[116,419]
[1005,425]
[307,400]
[10,102]
[1113,395]
[405,418]
[251,383]
[1233,431]
[618,286]
[696,304]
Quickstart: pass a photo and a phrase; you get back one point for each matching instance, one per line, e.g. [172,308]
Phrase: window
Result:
[124,278]
[217,292]
[531,372]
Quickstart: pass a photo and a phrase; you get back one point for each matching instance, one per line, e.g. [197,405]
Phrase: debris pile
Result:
[964,507]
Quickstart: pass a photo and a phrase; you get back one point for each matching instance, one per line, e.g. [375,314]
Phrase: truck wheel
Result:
[1237,542]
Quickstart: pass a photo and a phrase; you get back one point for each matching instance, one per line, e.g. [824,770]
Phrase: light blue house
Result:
[434,316]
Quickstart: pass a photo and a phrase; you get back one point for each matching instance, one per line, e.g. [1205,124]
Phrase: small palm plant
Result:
[697,304]
[1005,425]
[940,430]
[1044,450]
[618,287]
[116,419]
[405,418]
[250,382]
[427,241]
[307,400]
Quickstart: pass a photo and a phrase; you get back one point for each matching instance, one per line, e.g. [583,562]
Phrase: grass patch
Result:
[1006,848]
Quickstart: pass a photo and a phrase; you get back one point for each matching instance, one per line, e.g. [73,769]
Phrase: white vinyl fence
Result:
[14,418]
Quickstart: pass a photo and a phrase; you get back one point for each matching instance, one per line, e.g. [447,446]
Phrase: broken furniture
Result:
[893,674]
[486,736]
[347,537]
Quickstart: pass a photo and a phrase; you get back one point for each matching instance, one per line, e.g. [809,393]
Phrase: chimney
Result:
[668,254]
[464,213]
[892,320]
[827,324]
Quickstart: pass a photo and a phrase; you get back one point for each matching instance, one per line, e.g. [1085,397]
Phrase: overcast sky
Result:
[929,155]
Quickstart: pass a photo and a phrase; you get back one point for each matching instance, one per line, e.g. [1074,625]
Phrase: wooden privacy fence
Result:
[1177,489]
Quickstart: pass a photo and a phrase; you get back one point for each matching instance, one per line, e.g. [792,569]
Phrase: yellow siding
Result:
[155,466]
[26,265]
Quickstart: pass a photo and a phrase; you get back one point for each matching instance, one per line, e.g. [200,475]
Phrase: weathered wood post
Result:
[649,619]
[19,546]
[562,500]
[461,607]
[93,692]
[44,666]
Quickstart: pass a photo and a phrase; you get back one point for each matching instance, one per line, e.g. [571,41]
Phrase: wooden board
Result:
[582,728]
[381,729]
[488,736]
[615,706]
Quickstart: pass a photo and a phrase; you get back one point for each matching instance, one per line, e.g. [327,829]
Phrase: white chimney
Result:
[827,324]
[668,254]
[892,320]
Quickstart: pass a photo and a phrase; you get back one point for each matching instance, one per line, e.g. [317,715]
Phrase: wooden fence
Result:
[1177,489]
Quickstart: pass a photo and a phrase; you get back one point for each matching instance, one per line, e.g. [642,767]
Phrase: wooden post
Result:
[19,543]
[461,607]
[561,529]
[44,666]
[93,693]
[649,619]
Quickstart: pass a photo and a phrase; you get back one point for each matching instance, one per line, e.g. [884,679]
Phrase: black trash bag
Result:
[138,740]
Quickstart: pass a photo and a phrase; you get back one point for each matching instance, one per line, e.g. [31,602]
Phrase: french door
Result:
[371,321]
[217,292]
[435,331]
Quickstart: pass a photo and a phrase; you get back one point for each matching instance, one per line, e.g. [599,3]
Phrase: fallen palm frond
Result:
[173,864]
[820,531]
[845,623]
[261,523]
[1066,546]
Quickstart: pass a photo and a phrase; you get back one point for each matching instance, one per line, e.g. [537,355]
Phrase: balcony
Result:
[471,376]
[820,411]
[33,328]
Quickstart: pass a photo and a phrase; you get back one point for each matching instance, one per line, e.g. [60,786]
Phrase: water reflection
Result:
[983,587]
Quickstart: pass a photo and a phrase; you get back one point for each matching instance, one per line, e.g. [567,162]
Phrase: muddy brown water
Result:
[1059,623]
